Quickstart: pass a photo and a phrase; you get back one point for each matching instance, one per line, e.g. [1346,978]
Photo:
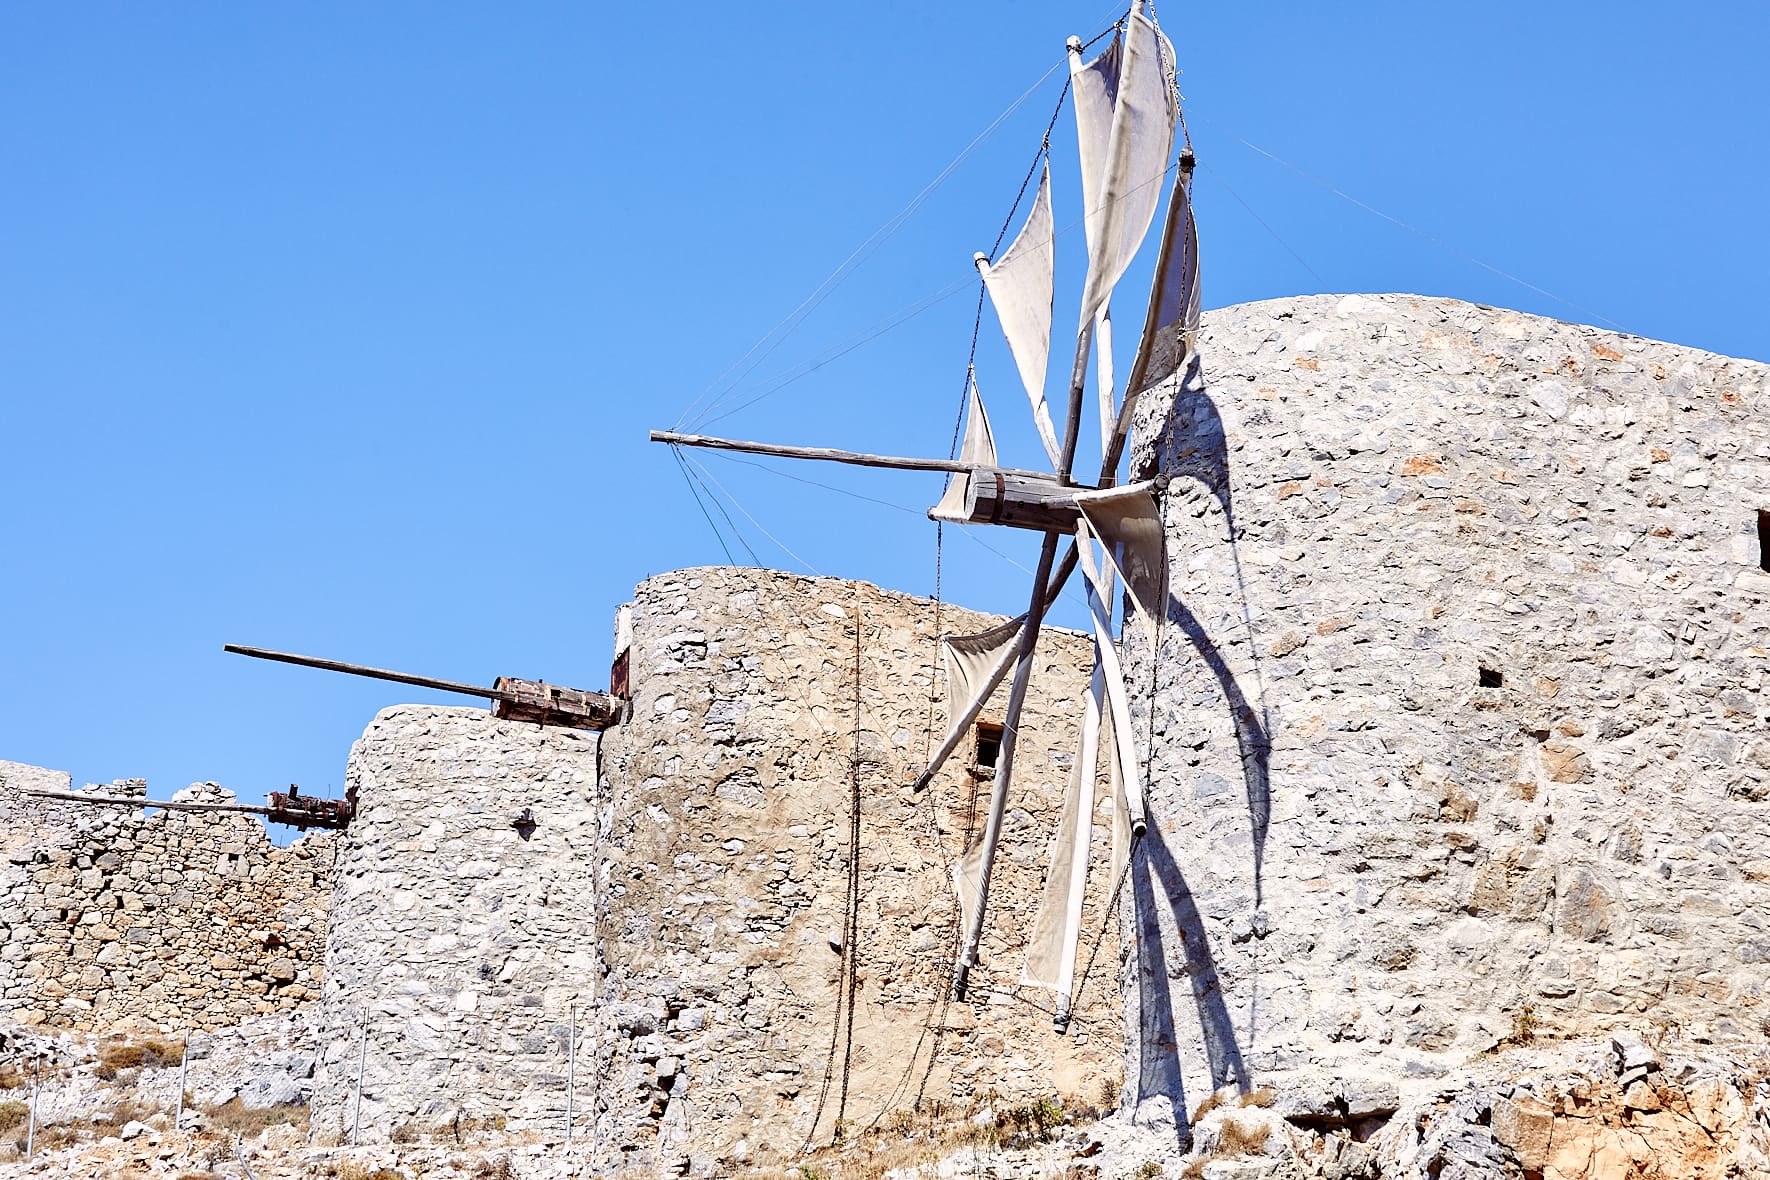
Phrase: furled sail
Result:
[1124,743]
[979,447]
[1051,949]
[1174,299]
[1125,116]
[1129,523]
[1021,285]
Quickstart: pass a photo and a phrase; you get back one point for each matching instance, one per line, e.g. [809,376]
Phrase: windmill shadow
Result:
[1193,446]
[1160,1090]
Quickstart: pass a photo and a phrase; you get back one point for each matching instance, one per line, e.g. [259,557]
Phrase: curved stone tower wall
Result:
[1459,709]
[462,938]
[727,857]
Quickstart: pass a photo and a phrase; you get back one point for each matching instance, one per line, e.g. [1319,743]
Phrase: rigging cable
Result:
[860,254]
[1413,229]
[740,507]
[676,453]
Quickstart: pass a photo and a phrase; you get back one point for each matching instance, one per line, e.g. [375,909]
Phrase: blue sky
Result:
[338,328]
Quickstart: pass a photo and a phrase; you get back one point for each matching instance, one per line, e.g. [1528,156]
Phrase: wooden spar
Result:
[833,455]
[167,804]
[1029,638]
[515,699]
[284,657]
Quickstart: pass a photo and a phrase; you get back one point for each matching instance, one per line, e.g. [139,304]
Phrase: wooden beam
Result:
[830,454]
[1003,497]
[129,801]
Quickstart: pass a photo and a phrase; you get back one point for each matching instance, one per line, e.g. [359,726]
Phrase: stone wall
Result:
[1459,707]
[761,702]
[112,917]
[463,928]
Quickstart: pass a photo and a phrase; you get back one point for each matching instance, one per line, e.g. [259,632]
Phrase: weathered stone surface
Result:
[110,917]
[727,851]
[462,943]
[1508,784]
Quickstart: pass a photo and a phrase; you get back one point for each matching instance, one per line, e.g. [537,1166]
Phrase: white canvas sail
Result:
[1172,321]
[971,661]
[1124,157]
[1129,523]
[1021,286]
[979,447]
[1051,949]
[968,883]
[1124,744]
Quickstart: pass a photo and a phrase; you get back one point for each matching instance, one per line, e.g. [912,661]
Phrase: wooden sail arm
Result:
[833,455]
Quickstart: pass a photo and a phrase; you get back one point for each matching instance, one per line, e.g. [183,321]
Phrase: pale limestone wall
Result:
[1362,862]
[462,939]
[109,917]
[725,863]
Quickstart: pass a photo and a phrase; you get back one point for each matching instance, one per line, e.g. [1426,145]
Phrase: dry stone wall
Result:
[762,702]
[463,936]
[1459,704]
[111,917]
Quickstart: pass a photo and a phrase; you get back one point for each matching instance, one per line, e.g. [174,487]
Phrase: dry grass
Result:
[147,1053]
[12,1114]
[236,1118]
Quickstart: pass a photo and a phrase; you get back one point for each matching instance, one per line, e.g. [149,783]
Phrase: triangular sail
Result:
[970,661]
[1021,286]
[1129,523]
[979,447]
[968,883]
[1125,158]
[1124,743]
[1174,299]
[1051,949]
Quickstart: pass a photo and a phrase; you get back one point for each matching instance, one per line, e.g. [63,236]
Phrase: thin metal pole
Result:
[362,1055]
[571,1062]
[183,1064]
[31,1124]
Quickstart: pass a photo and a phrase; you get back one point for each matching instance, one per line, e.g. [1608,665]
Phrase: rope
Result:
[860,254]
[1415,230]
[739,506]
[851,938]
[676,453]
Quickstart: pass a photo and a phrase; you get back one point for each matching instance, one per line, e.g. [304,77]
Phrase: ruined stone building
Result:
[1455,724]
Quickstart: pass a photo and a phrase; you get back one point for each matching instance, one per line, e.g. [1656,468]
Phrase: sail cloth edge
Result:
[971,658]
[1173,317]
[1129,523]
[1056,928]
[1022,286]
[1131,78]
[979,447]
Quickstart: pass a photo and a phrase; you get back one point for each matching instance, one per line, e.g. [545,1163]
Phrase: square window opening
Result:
[1488,678]
[1764,539]
[989,745]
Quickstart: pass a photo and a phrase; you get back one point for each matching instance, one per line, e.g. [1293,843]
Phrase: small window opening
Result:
[1488,678]
[989,744]
[1764,539]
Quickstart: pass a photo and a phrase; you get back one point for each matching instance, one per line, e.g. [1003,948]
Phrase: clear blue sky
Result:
[338,328]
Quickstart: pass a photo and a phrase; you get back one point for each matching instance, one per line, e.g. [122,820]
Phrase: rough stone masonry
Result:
[649,933]
[1458,708]
[110,917]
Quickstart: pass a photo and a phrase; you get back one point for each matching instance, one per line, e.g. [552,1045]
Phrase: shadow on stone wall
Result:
[1193,446]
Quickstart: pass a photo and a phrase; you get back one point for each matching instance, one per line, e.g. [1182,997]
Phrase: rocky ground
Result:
[1614,1108]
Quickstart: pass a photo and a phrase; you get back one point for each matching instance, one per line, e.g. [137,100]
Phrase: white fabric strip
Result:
[979,447]
[1051,949]
[1129,523]
[1173,299]
[1123,740]
[971,658]
[1131,164]
[1021,286]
